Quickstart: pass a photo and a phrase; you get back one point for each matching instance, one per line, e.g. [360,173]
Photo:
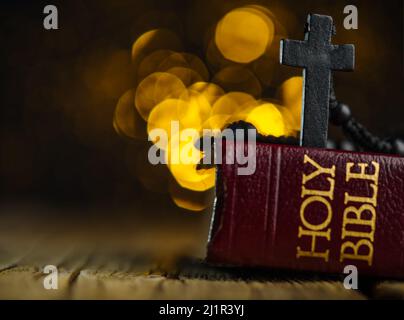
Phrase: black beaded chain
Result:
[340,115]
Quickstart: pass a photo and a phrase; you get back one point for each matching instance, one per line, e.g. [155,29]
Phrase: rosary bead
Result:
[331,144]
[398,146]
[341,114]
[347,145]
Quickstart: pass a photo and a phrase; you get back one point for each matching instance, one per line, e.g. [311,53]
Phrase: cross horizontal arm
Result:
[294,53]
[343,57]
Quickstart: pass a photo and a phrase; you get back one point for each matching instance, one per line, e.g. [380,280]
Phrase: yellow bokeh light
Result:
[210,91]
[190,200]
[243,35]
[217,122]
[162,116]
[243,111]
[173,85]
[292,123]
[186,75]
[182,158]
[267,119]
[291,93]
[190,111]
[226,109]
[151,63]
[196,109]
[127,120]
[231,103]
[190,178]
[153,40]
[185,60]
[238,78]
[195,63]
[154,89]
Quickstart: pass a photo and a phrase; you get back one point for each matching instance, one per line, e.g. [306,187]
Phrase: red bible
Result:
[310,209]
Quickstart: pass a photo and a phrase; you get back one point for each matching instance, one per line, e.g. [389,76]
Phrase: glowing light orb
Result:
[291,93]
[127,120]
[162,117]
[151,63]
[267,119]
[174,86]
[186,75]
[217,122]
[190,200]
[196,109]
[243,35]
[231,103]
[154,89]
[153,40]
[185,60]
[238,78]
[210,91]
[182,158]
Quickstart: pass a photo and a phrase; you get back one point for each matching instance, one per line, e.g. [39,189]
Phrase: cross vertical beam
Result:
[318,57]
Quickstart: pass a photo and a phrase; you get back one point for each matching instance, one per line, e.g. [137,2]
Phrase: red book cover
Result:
[310,210]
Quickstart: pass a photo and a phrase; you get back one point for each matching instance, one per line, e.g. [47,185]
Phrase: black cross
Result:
[318,57]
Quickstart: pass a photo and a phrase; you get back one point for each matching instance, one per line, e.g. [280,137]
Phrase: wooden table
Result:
[121,256]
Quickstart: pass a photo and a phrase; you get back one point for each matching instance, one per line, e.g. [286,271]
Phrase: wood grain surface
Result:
[136,258]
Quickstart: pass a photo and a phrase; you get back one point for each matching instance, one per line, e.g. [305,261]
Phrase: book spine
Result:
[310,210]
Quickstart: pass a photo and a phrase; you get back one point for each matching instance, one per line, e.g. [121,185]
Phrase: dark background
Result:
[59,88]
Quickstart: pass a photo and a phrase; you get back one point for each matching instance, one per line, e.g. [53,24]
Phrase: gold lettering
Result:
[355,249]
[354,217]
[321,193]
[322,225]
[362,175]
[312,253]
[359,221]
[372,200]
[320,170]
[310,229]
